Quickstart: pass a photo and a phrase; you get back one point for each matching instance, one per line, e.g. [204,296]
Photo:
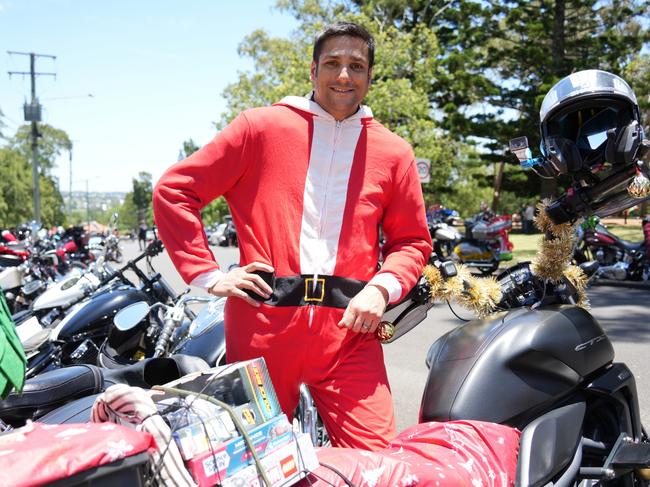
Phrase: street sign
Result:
[424,169]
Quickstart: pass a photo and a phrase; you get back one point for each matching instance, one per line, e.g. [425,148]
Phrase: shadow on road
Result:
[623,312]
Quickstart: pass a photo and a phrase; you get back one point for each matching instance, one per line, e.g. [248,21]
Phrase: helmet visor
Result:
[588,124]
[591,81]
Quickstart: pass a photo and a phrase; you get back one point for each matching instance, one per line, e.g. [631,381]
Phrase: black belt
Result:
[304,290]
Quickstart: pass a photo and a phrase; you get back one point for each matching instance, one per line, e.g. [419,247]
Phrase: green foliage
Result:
[52,143]
[637,74]
[16,192]
[141,197]
[129,220]
[405,66]
[15,189]
[52,204]
[215,211]
[459,79]
[2,125]
[189,147]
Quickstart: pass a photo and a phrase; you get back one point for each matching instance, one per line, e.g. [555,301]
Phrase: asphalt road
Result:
[623,311]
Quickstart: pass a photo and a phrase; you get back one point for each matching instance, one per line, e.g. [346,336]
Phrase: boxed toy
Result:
[222,461]
[245,386]
[284,466]
[197,424]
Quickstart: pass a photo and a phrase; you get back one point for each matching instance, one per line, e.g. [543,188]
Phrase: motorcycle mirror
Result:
[520,148]
[448,269]
[130,316]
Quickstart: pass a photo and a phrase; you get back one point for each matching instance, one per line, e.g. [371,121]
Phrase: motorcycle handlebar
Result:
[163,338]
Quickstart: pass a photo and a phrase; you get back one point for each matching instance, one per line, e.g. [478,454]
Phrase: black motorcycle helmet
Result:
[588,120]
[591,130]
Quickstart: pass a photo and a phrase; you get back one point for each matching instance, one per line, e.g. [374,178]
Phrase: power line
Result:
[33,114]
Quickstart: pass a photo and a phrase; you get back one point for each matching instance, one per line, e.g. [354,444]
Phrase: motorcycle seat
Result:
[48,391]
[54,388]
[632,246]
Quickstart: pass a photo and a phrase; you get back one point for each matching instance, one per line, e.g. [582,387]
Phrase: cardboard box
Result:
[224,460]
[284,466]
[245,386]
[196,437]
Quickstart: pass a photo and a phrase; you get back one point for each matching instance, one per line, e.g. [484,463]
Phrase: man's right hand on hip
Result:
[236,280]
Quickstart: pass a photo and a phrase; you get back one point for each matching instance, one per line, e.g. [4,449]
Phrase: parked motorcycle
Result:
[444,237]
[73,332]
[619,259]
[486,243]
[549,371]
[162,329]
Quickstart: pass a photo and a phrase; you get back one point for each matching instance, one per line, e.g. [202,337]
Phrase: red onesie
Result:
[307,195]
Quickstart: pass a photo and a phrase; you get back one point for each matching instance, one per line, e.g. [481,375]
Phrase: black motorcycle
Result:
[80,328]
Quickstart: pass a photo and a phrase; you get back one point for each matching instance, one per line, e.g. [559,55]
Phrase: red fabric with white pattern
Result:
[41,453]
[456,453]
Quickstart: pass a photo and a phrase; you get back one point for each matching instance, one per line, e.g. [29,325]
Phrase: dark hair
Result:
[345,29]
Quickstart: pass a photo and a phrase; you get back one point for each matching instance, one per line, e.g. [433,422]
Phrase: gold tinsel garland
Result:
[482,294]
[552,262]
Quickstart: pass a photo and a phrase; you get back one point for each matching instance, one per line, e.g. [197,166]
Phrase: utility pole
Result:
[70,187]
[87,207]
[33,114]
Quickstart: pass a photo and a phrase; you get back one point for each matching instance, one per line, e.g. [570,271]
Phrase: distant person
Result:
[529,217]
[142,236]
[485,212]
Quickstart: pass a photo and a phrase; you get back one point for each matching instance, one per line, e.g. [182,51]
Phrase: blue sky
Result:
[155,69]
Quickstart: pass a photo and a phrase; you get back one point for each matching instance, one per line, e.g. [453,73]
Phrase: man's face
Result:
[341,78]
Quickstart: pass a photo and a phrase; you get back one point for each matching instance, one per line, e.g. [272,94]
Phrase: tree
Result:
[189,147]
[457,79]
[637,74]
[578,34]
[52,204]
[141,197]
[16,192]
[52,142]
[129,220]
[15,189]
[2,125]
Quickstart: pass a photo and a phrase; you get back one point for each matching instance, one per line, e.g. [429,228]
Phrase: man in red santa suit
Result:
[309,181]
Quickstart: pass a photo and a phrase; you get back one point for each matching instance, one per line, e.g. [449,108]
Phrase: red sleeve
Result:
[189,185]
[408,243]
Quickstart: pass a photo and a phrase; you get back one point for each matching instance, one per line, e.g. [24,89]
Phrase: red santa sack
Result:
[38,453]
[455,453]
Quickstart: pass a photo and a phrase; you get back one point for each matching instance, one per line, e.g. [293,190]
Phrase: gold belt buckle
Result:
[308,282]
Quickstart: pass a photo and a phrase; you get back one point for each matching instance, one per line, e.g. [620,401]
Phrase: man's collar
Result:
[307,104]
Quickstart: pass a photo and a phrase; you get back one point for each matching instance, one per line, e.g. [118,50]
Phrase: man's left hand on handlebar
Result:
[365,310]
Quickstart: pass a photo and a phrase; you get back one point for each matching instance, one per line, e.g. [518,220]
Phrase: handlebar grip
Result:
[154,248]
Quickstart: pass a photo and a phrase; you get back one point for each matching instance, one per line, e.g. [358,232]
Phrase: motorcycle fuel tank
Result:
[97,311]
[501,368]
